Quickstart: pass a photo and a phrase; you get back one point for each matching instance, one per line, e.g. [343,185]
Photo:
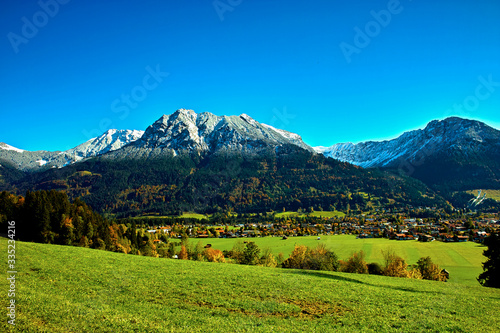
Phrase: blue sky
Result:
[331,71]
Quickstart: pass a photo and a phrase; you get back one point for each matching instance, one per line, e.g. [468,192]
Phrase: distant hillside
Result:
[289,178]
[71,289]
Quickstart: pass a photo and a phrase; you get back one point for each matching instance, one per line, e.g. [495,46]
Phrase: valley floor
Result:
[462,260]
[71,289]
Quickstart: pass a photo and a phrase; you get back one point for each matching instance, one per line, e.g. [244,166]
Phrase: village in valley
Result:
[456,227]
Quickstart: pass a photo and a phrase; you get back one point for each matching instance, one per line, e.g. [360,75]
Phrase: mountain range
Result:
[41,160]
[452,135]
[448,155]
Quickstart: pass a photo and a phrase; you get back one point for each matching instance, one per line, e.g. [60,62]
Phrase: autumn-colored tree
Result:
[183,254]
[149,249]
[83,242]
[66,234]
[214,255]
[429,270]
[394,265]
[268,259]
[414,273]
[319,258]
[296,258]
[355,264]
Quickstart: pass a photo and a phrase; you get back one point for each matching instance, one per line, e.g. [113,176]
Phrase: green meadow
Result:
[327,214]
[462,260]
[72,289]
[184,215]
[492,194]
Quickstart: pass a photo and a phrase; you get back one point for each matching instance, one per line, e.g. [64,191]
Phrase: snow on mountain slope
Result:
[5,146]
[33,160]
[185,131]
[439,136]
[109,141]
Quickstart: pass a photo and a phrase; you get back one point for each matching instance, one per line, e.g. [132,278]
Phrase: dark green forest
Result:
[294,179]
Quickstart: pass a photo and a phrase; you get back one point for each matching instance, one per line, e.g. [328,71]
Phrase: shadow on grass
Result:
[333,276]
[324,275]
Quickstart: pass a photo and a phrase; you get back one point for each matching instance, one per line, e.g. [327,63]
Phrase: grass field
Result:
[70,289]
[462,260]
[492,194]
[184,215]
[327,214]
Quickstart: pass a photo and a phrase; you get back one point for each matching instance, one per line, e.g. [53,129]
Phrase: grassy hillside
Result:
[492,194]
[69,289]
[315,214]
[184,215]
[462,260]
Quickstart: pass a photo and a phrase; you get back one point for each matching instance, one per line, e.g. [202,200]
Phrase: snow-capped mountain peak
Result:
[206,133]
[454,133]
[108,141]
[32,160]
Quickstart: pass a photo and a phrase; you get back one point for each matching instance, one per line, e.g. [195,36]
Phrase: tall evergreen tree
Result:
[491,275]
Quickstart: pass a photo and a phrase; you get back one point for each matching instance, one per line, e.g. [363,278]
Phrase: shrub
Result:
[414,273]
[296,258]
[236,253]
[394,265]
[251,254]
[196,253]
[429,270]
[214,255]
[319,258]
[355,264]
[267,259]
[374,268]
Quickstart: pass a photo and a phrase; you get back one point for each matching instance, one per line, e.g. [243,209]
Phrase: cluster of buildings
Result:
[424,230]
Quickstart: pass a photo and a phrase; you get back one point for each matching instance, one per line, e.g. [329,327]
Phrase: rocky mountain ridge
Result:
[41,160]
[449,136]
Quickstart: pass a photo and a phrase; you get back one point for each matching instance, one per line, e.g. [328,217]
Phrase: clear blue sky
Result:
[284,63]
